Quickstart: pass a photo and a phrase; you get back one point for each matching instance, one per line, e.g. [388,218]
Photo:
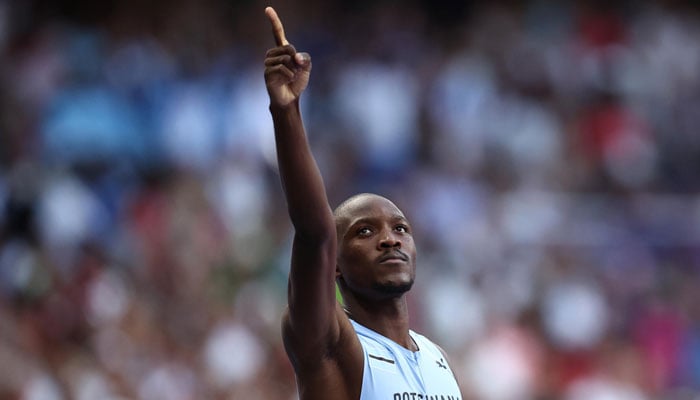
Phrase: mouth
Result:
[393,256]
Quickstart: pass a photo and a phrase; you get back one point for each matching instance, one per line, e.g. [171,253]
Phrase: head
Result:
[376,254]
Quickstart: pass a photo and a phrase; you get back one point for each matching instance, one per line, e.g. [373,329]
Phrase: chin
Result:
[393,288]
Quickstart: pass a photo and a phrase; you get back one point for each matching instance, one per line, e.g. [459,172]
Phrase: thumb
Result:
[303,60]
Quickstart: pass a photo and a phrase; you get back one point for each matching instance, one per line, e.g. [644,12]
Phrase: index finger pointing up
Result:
[277,28]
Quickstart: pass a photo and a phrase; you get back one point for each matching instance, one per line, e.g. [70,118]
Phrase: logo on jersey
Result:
[441,363]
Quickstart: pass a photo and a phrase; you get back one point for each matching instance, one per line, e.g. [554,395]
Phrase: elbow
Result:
[314,227]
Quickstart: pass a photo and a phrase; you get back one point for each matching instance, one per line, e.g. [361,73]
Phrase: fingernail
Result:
[301,58]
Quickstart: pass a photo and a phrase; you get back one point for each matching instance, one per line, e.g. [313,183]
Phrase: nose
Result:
[389,240]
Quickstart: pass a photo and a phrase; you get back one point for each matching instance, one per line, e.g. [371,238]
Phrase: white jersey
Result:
[392,372]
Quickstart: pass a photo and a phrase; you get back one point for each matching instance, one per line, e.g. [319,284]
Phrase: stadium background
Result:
[548,153]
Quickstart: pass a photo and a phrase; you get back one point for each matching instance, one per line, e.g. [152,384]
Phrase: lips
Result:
[397,255]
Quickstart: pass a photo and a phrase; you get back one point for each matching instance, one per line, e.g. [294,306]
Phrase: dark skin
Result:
[366,246]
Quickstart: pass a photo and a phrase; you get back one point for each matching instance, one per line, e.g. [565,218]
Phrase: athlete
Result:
[364,350]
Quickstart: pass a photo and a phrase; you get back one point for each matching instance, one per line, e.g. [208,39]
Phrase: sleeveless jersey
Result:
[392,372]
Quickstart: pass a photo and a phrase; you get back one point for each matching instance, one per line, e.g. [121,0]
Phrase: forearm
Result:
[311,292]
[312,307]
[301,179]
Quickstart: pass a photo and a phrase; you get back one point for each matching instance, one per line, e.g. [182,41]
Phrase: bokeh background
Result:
[547,152]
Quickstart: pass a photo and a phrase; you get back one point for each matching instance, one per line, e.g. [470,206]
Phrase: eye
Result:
[402,228]
[365,231]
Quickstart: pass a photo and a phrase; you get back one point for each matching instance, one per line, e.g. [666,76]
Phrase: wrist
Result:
[276,108]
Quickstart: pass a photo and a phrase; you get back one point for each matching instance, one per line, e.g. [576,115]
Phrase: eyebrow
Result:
[371,220]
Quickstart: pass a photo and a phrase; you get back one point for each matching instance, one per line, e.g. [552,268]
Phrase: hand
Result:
[286,71]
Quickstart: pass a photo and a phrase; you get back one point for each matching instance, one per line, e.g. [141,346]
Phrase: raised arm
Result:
[311,322]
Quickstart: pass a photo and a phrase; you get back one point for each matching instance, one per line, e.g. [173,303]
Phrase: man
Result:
[365,350]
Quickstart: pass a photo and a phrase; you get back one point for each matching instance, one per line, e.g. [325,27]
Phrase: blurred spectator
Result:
[546,152]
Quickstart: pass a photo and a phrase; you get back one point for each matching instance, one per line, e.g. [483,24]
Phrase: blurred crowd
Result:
[547,153]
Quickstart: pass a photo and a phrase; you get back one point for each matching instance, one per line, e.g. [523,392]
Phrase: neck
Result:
[388,317]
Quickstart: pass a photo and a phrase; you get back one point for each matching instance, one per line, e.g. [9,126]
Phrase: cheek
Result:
[353,261]
[347,259]
[354,250]
[410,248]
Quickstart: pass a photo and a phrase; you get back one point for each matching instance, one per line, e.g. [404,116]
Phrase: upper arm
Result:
[311,321]
[337,363]
[318,336]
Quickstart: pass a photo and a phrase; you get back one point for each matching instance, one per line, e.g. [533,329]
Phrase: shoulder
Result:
[430,346]
[436,350]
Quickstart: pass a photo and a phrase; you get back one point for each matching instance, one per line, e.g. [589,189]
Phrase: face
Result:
[376,253]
